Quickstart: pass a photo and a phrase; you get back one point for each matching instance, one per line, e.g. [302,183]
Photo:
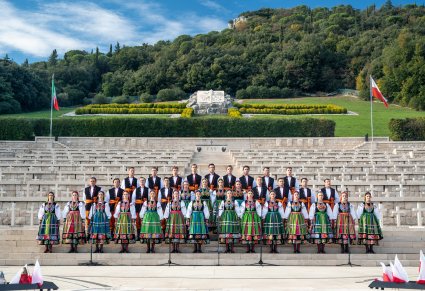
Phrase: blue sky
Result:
[33,28]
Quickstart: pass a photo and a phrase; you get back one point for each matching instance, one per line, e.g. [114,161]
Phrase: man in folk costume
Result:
[229,180]
[212,177]
[164,197]
[306,196]
[90,197]
[330,195]
[139,196]
[290,183]
[267,180]
[154,182]
[176,182]
[280,190]
[115,195]
[246,180]
[260,191]
[194,179]
[130,183]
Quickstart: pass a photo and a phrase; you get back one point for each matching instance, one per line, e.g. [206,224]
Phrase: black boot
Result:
[75,249]
[122,249]
[367,249]
[50,248]
[100,249]
[295,248]
[342,249]
[346,248]
[178,248]
[253,248]
[227,249]
[195,248]
[272,248]
[153,248]
[298,248]
[371,249]
[232,248]
[319,248]
[47,249]
[148,247]
[248,248]
[323,249]
[71,250]
[199,248]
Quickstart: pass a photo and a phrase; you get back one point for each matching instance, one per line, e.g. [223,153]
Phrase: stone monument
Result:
[210,102]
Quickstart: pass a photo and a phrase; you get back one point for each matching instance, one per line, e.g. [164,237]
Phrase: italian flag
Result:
[54,99]
[375,92]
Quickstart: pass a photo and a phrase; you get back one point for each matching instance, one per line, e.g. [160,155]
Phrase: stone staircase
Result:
[18,247]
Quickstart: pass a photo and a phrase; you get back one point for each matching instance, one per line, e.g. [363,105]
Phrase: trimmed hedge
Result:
[409,129]
[290,109]
[187,113]
[234,112]
[142,108]
[26,129]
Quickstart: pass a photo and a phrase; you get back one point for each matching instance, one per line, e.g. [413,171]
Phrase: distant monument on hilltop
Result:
[210,102]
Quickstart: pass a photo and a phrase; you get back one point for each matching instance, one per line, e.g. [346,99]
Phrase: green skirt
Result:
[321,231]
[124,229]
[369,229]
[175,231]
[273,232]
[296,229]
[198,230]
[151,230]
[250,227]
[230,228]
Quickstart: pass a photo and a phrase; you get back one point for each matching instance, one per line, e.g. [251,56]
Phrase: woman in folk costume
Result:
[206,196]
[100,215]
[369,228]
[238,194]
[320,228]
[125,216]
[250,214]
[174,214]
[49,215]
[186,195]
[273,230]
[296,217]
[228,222]
[197,216]
[345,217]
[74,214]
[151,230]
[218,196]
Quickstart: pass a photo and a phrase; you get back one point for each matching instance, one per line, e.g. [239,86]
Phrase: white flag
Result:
[37,277]
[399,273]
[17,277]
[387,275]
[421,277]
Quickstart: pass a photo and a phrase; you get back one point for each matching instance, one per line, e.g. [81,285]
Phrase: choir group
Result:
[175,210]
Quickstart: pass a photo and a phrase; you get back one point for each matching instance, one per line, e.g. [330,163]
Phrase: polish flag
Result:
[399,273]
[37,277]
[387,275]
[421,277]
[376,92]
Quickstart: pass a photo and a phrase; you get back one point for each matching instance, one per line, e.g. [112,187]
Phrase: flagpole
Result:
[371,118]
[51,107]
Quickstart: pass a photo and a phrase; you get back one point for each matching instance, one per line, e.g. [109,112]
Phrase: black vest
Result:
[152,184]
[246,186]
[270,185]
[303,194]
[226,181]
[113,198]
[170,196]
[178,184]
[96,190]
[263,192]
[133,183]
[279,194]
[198,180]
[214,180]
[143,196]
[287,185]
[325,196]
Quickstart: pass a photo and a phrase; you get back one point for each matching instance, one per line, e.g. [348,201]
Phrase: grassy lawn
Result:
[350,125]
[42,113]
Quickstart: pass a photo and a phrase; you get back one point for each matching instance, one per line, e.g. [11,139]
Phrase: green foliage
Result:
[234,112]
[171,94]
[125,108]
[290,109]
[176,127]
[409,129]
[120,99]
[261,92]
[146,98]
[100,99]
[187,113]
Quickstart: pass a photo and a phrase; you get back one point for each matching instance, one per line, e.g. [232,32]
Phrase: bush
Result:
[170,94]
[290,109]
[10,106]
[120,100]
[146,98]
[100,99]
[187,113]
[167,127]
[261,92]
[409,129]
[234,112]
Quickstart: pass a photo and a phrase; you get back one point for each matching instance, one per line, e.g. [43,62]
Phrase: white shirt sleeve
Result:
[84,196]
[265,209]
[352,212]
[287,211]
[329,211]
[143,210]
[241,209]
[258,208]
[213,195]
[65,210]
[167,211]
[117,210]
[108,211]
[297,185]
[123,184]
[189,210]
[281,211]
[312,211]
[335,211]
[336,197]
[82,210]
[159,210]
[133,211]
[221,209]
[304,211]
[58,211]
[41,211]
[91,213]
[360,210]
[206,211]
[107,197]
[183,207]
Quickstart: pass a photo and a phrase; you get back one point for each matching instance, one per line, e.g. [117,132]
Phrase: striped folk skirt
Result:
[73,229]
[230,228]
[321,230]
[151,230]
[124,229]
[273,230]
[100,231]
[296,229]
[175,231]
[198,230]
[369,229]
[48,233]
[344,229]
[250,228]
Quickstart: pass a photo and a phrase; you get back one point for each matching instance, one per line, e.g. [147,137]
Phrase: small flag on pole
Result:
[54,98]
[376,92]
[37,277]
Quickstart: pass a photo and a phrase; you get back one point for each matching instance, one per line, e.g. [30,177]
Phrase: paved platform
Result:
[210,278]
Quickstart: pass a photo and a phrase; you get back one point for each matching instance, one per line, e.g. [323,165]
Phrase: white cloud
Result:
[214,6]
